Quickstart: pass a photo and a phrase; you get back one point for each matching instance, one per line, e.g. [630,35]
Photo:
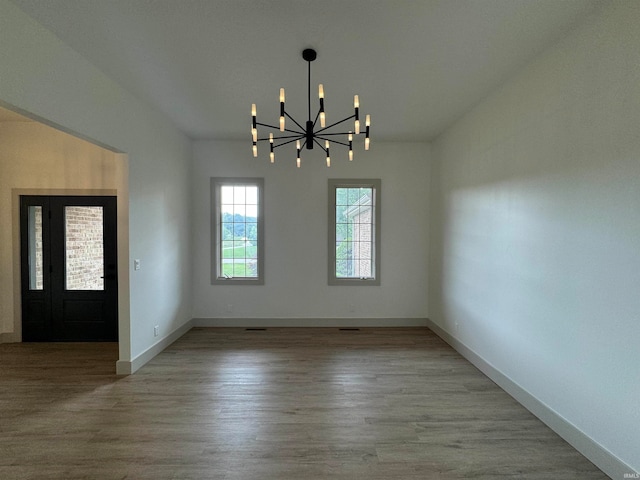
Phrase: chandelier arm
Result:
[278,128]
[267,125]
[338,133]
[337,123]
[319,144]
[287,142]
[316,120]
[299,135]
[333,141]
[293,120]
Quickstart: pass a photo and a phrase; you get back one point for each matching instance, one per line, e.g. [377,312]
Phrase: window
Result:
[354,232]
[237,231]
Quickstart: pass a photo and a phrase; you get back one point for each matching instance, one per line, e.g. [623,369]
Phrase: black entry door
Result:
[68,264]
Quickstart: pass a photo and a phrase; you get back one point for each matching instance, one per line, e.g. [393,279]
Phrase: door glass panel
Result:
[84,247]
[35,247]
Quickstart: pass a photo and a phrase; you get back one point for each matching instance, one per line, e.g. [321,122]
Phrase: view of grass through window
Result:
[354,232]
[239,231]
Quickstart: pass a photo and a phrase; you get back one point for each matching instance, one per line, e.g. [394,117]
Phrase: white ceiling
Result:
[417,65]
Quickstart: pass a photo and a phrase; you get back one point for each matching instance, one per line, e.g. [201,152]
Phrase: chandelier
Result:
[307,136]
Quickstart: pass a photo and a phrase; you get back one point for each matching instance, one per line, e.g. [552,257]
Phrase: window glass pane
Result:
[239,249]
[227,268]
[252,212]
[227,249]
[252,195]
[84,251]
[35,247]
[227,209]
[239,212]
[227,231]
[341,196]
[239,269]
[239,195]
[341,213]
[226,195]
[251,231]
[344,250]
[342,269]
[354,194]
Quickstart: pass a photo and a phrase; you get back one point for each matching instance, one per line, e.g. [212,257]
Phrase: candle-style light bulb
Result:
[367,123]
[272,155]
[326,146]
[255,149]
[298,162]
[350,147]
[356,107]
[282,109]
[298,153]
[323,118]
[254,126]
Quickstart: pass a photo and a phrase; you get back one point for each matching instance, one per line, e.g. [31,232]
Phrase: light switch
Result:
[136,264]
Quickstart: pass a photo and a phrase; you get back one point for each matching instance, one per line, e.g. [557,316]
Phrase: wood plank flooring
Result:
[300,404]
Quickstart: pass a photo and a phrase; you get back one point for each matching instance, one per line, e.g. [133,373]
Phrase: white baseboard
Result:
[125,367]
[309,322]
[9,337]
[596,453]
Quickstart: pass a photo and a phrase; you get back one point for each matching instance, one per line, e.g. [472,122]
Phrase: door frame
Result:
[122,261]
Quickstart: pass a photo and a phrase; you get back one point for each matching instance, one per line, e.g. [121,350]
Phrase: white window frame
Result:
[216,219]
[376,185]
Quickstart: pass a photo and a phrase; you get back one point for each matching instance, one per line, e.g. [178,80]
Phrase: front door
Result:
[68,264]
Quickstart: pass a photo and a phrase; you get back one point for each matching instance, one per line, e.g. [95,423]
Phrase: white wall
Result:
[41,75]
[296,216]
[535,257]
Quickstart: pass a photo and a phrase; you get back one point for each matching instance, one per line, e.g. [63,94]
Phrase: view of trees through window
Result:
[239,231]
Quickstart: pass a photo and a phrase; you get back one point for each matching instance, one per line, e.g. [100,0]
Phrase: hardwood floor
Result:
[374,404]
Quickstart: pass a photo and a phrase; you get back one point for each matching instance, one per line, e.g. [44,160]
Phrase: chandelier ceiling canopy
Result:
[308,135]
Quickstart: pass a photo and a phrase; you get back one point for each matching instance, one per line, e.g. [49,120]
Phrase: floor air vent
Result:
[350,329]
[255,329]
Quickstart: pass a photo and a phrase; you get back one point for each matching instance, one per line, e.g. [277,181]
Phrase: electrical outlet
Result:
[156,330]
[136,264]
